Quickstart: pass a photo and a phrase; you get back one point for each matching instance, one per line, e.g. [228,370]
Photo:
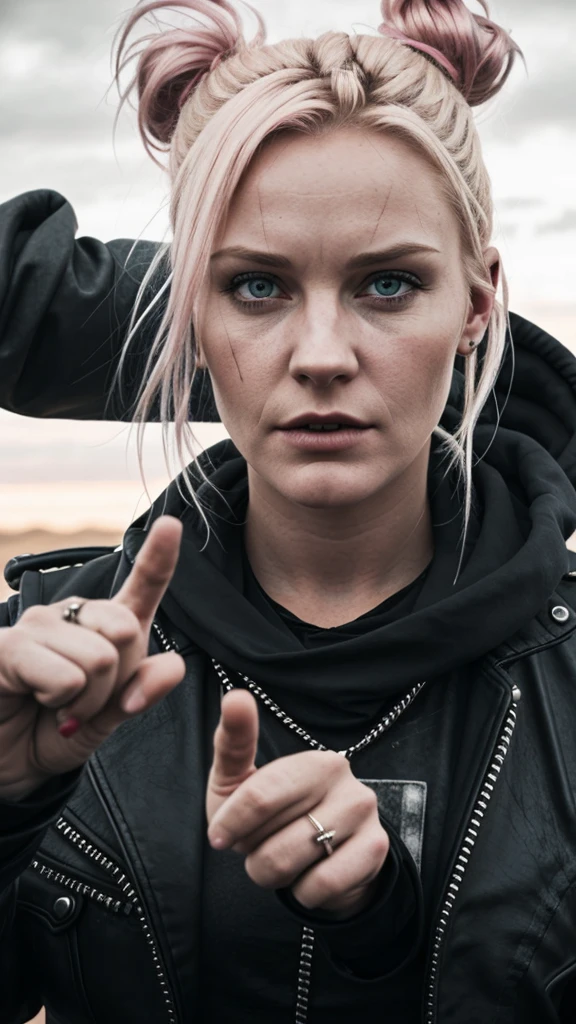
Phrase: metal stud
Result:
[63,906]
[560,613]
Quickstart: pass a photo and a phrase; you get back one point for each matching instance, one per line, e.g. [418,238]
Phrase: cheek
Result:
[242,369]
[414,381]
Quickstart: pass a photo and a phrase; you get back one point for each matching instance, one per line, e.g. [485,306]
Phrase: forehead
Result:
[346,184]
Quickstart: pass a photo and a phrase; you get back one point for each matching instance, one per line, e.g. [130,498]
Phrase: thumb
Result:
[235,746]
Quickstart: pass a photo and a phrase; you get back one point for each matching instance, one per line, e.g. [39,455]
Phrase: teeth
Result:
[323,426]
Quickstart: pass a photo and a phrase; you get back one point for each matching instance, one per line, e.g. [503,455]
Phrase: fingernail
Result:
[135,700]
[69,727]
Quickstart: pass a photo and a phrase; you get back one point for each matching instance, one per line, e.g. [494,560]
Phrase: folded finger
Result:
[29,668]
[93,654]
[276,794]
[116,622]
[283,856]
[353,865]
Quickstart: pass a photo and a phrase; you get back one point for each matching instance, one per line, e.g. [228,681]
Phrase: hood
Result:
[515,556]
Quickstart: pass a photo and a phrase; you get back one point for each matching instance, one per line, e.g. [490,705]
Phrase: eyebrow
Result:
[363,259]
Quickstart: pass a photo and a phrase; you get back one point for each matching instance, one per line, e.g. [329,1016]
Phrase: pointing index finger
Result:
[152,570]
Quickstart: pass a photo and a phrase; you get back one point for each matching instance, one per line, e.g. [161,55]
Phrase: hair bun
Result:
[170,62]
[481,52]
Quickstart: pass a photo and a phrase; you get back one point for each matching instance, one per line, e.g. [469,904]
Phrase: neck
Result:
[328,566]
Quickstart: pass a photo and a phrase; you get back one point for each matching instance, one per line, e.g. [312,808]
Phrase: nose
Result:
[323,351]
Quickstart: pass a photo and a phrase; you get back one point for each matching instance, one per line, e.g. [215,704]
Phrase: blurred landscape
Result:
[66,485]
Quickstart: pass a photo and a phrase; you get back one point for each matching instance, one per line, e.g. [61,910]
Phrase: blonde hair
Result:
[211,100]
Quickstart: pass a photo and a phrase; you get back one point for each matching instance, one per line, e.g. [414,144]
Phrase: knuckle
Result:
[366,799]
[11,642]
[104,661]
[327,888]
[252,869]
[278,867]
[269,869]
[333,765]
[36,613]
[259,800]
[378,845]
[66,692]
[125,630]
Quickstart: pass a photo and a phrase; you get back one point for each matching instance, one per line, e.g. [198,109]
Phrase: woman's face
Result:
[337,293]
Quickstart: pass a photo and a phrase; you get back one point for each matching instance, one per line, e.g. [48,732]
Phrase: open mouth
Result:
[317,428]
[326,426]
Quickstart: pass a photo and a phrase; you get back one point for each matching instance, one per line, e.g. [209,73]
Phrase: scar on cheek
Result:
[230,346]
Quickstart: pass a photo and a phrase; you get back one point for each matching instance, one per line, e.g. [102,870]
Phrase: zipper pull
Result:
[516,694]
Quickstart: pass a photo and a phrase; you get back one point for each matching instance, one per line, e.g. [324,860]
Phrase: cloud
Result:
[520,202]
[565,222]
[547,99]
[55,60]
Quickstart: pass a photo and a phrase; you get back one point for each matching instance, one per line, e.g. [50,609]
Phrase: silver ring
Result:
[325,837]
[71,612]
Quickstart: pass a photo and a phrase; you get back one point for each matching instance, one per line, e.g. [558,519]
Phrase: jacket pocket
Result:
[86,947]
[47,915]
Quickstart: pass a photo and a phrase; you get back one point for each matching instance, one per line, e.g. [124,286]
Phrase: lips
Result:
[316,423]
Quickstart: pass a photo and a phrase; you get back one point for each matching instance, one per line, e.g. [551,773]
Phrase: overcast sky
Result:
[56,126]
[56,132]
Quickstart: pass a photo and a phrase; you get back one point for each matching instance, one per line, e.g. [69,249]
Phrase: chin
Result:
[328,489]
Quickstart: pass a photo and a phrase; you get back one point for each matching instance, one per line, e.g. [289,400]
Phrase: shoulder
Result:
[51,576]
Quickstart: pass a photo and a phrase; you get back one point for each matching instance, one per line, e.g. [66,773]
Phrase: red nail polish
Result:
[69,727]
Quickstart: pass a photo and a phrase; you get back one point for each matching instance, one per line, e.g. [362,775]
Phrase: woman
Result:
[379,818]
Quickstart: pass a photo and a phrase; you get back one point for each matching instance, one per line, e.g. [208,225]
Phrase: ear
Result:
[480,307]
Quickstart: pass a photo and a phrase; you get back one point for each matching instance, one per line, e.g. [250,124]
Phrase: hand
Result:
[261,812]
[52,670]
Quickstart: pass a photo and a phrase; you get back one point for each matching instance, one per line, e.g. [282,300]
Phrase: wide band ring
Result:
[325,836]
[72,611]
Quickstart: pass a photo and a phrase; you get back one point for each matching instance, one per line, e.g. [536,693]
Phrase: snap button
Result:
[63,907]
[560,613]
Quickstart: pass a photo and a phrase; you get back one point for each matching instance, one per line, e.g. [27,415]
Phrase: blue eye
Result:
[391,287]
[258,288]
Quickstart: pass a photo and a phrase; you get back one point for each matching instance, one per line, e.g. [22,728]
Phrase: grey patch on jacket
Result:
[403,804]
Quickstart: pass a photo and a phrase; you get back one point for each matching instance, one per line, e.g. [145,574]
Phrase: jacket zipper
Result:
[91,851]
[167,644]
[81,888]
[470,837]
[455,880]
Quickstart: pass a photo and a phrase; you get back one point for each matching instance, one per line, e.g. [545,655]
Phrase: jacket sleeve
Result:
[65,306]
[386,936]
[22,827]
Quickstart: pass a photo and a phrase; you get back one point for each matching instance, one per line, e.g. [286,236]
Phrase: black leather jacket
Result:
[101,889]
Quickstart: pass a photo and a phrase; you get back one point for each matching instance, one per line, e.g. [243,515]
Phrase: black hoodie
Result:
[524,510]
